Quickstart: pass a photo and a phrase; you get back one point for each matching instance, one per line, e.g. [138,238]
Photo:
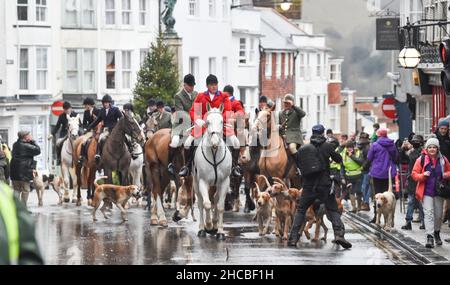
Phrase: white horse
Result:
[136,165]
[211,173]
[67,165]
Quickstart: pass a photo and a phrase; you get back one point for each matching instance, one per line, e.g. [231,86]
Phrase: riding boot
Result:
[82,153]
[170,167]
[189,157]
[58,154]
[293,157]
[97,153]
[249,204]
[236,170]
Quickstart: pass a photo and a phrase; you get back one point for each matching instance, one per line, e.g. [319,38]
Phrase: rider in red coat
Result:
[215,99]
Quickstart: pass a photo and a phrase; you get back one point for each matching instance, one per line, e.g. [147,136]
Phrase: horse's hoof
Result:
[220,237]
[201,233]
[154,222]
[324,239]
[176,217]
[212,231]
[66,200]
[163,223]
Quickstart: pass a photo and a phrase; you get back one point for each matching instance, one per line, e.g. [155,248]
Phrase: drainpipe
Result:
[261,53]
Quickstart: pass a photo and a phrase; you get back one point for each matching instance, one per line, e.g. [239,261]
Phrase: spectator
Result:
[428,170]
[364,146]
[442,134]
[412,151]
[374,137]
[353,165]
[332,139]
[23,164]
[382,156]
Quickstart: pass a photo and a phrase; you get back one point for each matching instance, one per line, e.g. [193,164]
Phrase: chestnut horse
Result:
[156,157]
[274,159]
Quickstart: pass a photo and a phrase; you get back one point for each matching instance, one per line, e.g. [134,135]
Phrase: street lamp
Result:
[409,57]
[285,5]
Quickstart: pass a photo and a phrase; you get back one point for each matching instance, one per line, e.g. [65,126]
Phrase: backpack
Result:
[310,160]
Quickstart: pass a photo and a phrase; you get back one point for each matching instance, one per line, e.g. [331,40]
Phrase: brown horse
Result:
[156,161]
[86,172]
[274,159]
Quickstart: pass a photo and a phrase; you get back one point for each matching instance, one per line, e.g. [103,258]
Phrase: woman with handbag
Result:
[431,172]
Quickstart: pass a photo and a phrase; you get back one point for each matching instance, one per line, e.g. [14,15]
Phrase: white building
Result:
[67,49]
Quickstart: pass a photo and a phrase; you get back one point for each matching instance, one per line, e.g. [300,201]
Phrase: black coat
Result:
[63,123]
[411,156]
[88,118]
[22,163]
[110,120]
[444,144]
[326,151]
[364,147]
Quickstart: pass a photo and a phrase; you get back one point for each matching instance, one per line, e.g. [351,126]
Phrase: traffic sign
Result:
[388,108]
[57,108]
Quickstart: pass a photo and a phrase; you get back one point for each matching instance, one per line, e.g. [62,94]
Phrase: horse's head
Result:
[214,125]
[74,127]
[264,121]
[132,128]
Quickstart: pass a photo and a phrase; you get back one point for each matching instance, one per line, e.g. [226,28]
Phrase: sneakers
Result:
[407,226]
[437,237]
[430,242]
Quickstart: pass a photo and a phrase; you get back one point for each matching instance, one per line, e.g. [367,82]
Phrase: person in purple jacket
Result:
[382,156]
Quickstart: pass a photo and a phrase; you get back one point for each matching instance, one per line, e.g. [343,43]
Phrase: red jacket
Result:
[418,170]
[202,100]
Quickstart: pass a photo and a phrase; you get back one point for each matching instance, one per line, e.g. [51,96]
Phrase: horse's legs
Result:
[220,205]
[74,178]
[90,184]
[79,182]
[203,187]
[66,175]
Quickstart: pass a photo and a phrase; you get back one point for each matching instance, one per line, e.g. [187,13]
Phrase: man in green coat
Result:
[17,241]
[290,120]
[162,117]
[181,119]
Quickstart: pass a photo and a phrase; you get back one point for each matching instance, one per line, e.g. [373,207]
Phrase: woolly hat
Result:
[382,133]
[432,141]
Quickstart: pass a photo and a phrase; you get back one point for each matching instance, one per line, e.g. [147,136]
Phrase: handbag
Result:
[443,188]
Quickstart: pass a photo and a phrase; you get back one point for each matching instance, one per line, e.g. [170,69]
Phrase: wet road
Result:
[67,235]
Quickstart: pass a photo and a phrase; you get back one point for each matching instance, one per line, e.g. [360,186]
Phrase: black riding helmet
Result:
[107,99]
[67,105]
[128,107]
[89,101]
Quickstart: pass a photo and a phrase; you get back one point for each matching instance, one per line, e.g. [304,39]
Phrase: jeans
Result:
[432,209]
[412,202]
[365,188]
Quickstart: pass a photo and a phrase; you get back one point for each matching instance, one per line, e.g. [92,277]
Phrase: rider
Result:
[90,115]
[162,117]
[290,120]
[215,99]
[63,124]
[151,108]
[109,115]
[183,103]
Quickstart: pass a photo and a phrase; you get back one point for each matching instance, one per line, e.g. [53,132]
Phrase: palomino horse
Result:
[87,170]
[211,173]
[274,159]
[115,156]
[156,161]
[67,159]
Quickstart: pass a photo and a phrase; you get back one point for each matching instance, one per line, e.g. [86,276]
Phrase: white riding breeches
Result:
[176,141]
[230,141]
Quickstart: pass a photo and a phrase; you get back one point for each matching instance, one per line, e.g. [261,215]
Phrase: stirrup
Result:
[184,171]
[170,169]
[236,171]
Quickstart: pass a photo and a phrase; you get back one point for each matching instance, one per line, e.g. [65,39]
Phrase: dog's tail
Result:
[258,190]
[97,179]
[390,180]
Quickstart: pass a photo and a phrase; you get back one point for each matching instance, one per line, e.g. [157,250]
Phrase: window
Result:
[71,13]
[89,70]
[193,8]
[41,68]
[225,8]
[126,69]
[268,67]
[212,65]
[110,70]
[251,58]
[88,10]
[278,65]
[212,8]
[308,67]
[243,50]
[243,95]
[41,10]
[24,69]
[126,12]
[193,66]
[318,110]
[22,10]
[286,65]
[225,69]
[72,70]
[335,72]
[110,12]
[142,12]
[319,65]
[424,118]
[143,55]
[333,117]
[302,66]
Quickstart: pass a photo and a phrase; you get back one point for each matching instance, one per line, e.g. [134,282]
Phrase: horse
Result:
[211,172]
[156,151]
[86,170]
[67,159]
[274,160]
[136,165]
[115,156]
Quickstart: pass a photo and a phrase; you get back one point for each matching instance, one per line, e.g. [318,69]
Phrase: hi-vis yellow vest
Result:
[350,166]
[8,214]
[335,165]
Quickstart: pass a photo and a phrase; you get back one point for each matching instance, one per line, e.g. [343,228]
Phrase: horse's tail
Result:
[97,179]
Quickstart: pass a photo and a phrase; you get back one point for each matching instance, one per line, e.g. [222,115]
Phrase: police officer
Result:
[63,124]
[18,245]
[109,115]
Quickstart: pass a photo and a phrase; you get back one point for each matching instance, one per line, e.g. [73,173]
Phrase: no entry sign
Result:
[389,109]
[57,108]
